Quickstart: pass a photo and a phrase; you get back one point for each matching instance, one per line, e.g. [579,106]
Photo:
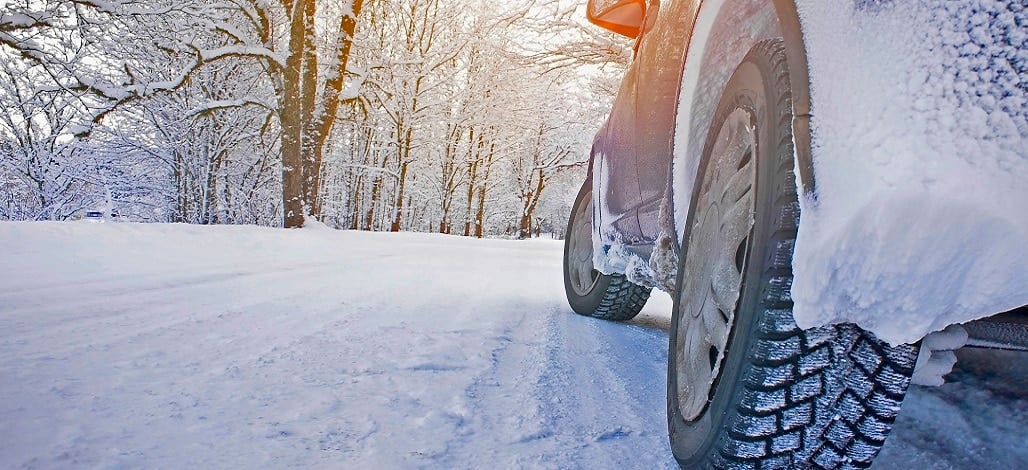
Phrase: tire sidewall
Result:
[589,303]
[753,88]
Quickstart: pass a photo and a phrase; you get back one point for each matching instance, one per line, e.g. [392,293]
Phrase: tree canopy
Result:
[429,115]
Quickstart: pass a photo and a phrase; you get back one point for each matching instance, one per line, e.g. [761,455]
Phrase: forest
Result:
[471,118]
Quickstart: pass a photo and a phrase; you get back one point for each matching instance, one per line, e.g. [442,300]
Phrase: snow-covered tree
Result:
[443,115]
[105,55]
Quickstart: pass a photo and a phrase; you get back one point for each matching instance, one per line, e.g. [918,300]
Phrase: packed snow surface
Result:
[173,346]
[920,143]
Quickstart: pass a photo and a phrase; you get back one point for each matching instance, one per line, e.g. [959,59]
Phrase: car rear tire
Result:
[747,388]
[590,292]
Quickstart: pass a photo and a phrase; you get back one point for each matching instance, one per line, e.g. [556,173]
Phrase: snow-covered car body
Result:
[910,124]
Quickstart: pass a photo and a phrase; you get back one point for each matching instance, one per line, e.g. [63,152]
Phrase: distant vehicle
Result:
[712,150]
[98,216]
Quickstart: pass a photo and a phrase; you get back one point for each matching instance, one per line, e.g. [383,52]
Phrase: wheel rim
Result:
[718,249]
[580,256]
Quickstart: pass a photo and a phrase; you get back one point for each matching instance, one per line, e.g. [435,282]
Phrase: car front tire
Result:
[747,388]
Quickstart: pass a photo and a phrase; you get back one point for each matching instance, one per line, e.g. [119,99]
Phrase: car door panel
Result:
[614,166]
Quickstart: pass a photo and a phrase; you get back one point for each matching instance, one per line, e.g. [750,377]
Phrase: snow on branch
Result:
[226,104]
[243,51]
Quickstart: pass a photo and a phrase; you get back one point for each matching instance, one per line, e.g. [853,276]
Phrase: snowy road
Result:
[239,347]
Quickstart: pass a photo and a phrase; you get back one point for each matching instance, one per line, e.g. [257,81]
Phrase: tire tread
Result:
[822,398]
[613,296]
[622,300]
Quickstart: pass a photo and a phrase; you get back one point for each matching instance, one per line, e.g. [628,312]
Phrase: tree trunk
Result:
[471,198]
[304,132]
[376,188]
[309,93]
[530,202]
[211,190]
[181,197]
[321,129]
[525,228]
[355,202]
[291,109]
[396,227]
[482,190]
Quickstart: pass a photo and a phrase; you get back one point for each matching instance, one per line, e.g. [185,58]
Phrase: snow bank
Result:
[921,158]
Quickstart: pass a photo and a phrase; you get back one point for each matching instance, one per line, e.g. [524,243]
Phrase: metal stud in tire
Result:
[747,388]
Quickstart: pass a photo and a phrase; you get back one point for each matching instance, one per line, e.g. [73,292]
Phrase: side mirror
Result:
[624,17]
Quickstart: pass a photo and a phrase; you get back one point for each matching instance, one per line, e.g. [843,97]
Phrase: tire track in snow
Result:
[602,393]
[500,405]
[153,305]
[70,307]
[566,391]
[156,375]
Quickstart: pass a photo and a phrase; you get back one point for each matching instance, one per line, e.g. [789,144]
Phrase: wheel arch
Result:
[799,76]
[710,23]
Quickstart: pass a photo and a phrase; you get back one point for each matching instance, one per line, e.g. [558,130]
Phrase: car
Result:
[101,216]
[833,194]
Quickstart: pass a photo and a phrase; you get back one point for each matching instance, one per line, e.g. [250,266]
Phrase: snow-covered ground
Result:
[239,347]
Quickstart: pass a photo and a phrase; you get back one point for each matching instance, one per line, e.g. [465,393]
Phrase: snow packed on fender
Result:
[919,123]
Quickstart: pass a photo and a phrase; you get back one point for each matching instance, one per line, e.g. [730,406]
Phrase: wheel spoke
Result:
[725,287]
[716,324]
[727,278]
[738,184]
[696,366]
[735,226]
